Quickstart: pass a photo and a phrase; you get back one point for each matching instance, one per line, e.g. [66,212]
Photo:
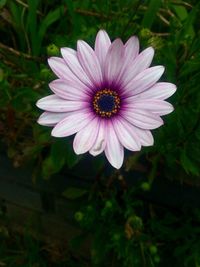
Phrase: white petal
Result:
[100,142]
[102,44]
[90,63]
[114,61]
[145,136]
[74,65]
[159,107]
[144,80]
[132,48]
[86,137]
[54,103]
[126,135]
[60,68]
[72,124]
[141,62]
[114,151]
[142,119]
[69,90]
[160,91]
[51,118]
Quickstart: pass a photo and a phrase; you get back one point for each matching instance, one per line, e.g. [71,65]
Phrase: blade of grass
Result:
[74,17]
[50,18]
[187,20]
[32,25]
[150,14]
[16,12]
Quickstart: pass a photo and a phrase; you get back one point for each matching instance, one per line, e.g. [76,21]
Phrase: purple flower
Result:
[108,96]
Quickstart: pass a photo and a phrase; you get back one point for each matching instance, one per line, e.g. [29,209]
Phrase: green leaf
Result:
[181,12]
[187,21]
[16,12]
[150,14]
[2,3]
[23,99]
[56,160]
[50,18]
[71,158]
[48,168]
[61,153]
[75,18]
[32,25]
[58,153]
[74,193]
[189,166]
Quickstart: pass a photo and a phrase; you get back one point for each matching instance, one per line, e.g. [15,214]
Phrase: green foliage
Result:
[130,232]
[151,13]
[26,251]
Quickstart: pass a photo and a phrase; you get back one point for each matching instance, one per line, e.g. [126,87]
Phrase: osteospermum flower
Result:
[109,97]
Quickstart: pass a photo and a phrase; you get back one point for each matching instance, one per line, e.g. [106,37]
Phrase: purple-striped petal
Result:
[60,68]
[114,61]
[90,63]
[70,57]
[54,103]
[142,119]
[52,118]
[126,135]
[144,80]
[114,151]
[86,137]
[142,62]
[72,124]
[159,107]
[102,44]
[146,137]
[161,90]
[100,142]
[70,90]
[131,48]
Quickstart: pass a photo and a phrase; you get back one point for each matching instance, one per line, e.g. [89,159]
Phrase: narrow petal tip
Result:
[38,103]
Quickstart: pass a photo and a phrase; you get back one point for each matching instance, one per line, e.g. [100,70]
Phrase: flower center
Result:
[106,103]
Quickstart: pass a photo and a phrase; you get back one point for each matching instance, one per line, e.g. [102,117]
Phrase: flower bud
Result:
[153,249]
[78,216]
[146,186]
[108,204]
[52,50]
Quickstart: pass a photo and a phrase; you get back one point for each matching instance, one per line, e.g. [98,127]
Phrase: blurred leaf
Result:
[31,25]
[49,19]
[2,3]
[71,158]
[181,12]
[23,99]
[187,19]
[150,13]
[189,166]
[74,193]
[75,18]
[16,13]
[48,168]
[58,153]
[55,161]
[61,153]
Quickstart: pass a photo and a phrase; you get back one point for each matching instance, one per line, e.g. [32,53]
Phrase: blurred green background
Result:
[146,214]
